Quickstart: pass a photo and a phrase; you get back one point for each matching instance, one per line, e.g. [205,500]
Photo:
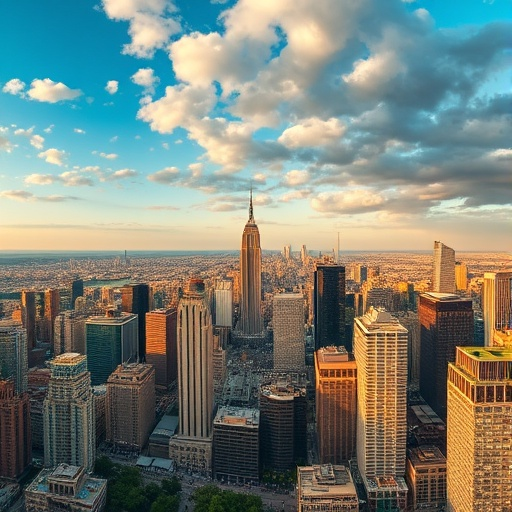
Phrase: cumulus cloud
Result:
[14,86]
[40,179]
[145,77]
[165,176]
[312,132]
[108,156]
[79,130]
[348,201]
[36,140]
[112,86]
[53,156]
[49,91]
[5,144]
[17,195]
[67,178]
[122,174]
[295,177]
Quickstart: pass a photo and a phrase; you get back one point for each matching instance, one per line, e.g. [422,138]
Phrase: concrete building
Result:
[336,404]
[69,333]
[224,303]
[446,321]
[110,340]
[66,487]
[326,488]
[191,448]
[28,316]
[479,447]
[13,354]
[68,413]
[426,478]
[161,349]
[443,277]
[236,445]
[99,394]
[461,276]
[51,310]
[289,340]
[15,431]
[250,321]
[130,407]
[380,349]
[329,307]
[496,303]
[135,299]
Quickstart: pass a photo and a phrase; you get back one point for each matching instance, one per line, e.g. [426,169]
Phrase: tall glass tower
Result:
[250,321]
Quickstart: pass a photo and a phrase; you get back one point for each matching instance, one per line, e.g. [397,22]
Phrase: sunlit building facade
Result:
[443,277]
[496,304]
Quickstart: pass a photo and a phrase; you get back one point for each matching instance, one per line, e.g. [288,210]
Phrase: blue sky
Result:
[141,124]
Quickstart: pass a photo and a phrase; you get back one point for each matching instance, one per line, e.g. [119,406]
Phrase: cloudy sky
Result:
[141,124]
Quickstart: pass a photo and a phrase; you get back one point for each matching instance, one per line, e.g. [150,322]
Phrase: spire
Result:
[251,215]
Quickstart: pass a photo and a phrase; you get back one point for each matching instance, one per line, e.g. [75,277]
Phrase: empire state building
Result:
[250,278]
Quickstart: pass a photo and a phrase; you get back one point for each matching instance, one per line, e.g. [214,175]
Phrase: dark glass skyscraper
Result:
[329,307]
[135,299]
[250,321]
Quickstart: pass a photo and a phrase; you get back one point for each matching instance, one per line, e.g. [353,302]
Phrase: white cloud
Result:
[108,156]
[51,92]
[79,130]
[294,178]
[49,129]
[74,179]
[14,86]
[122,173]
[260,178]
[5,144]
[165,176]
[17,195]
[313,132]
[196,169]
[25,133]
[501,154]
[294,195]
[112,86]
[37,141]
[145,77]
[165,145]
[348,201]
[53,156]
[40,179]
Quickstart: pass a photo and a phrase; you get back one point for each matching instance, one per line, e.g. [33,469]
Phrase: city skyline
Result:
[142,124]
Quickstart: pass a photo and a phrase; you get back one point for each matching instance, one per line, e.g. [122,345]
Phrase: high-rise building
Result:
[446,321]
[461,276]
[13,354]
[15,432]
[51,310]
[161,349]
[304,254]
[288,322]
[28,316]
[250,321]
[130,407]
[479,447]
[77,290]
[236,434]
[135,299]
[336,404]
[192,447]
[69,333]
[110,340]
[443,278]
[380,349]
[224,303]
[69,427]
[329,307]
[496,303]
[287,252]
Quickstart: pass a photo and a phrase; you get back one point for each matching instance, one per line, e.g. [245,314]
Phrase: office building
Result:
[224,303]
[443,277]
[326,488]
[329,307]
[289,341]
[69,333]
[13,354]
[461,276]
[192,447]
[283,426]
[161,349]
[446,321]
[110,340]
[496,303]
[51,310]
[380,349]
[304,254]
[28,316]
[130,407]
[15,432]
[77,290]
[287,252]
[250,321]
[135,299]
[479,447]
[68,413]
[99,394]
[426,478]
[38,379]
[66,487]
[236,445]
[336,404]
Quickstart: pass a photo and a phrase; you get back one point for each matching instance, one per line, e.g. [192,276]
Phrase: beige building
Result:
[130,407]
[336,404]
[288,322]
[479,447]
[326,488]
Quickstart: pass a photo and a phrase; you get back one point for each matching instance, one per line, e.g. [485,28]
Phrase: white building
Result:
[443,278]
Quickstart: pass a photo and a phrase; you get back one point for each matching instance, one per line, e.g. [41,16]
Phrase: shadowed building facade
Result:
[135,299]
[250,321]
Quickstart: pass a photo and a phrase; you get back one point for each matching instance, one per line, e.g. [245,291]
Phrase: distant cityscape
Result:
[298,380]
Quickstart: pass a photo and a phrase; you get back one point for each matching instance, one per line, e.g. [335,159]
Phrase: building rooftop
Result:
[426,455]
[385,483]
[325,481]
[68,358]
[488,353]
[237,416]
[130,372]
[379,319]
[117,319]
[443,296]
[66,471]
[333,355]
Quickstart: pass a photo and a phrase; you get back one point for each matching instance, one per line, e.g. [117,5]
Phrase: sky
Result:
[143,124]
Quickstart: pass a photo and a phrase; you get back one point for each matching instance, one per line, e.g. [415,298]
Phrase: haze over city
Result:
[142,124]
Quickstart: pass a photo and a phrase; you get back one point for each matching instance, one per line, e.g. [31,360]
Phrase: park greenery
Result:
[210,498]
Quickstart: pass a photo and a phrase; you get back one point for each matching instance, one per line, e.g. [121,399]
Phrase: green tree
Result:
[165,503]
[104,467]
[171,486]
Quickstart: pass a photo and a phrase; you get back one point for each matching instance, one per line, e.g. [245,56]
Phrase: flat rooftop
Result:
[488,353]
[443,296]
[237,416]
[333,355]
[426,456]
[325,481]
[68,358]
[66,471]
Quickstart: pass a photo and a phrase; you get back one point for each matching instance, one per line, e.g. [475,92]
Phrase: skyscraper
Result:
[69,333]
[161,349]
[69,427]
[28,316]
[135,299]
[250,321]
[13,354]
[51,310]
[192,447]
[446,321]
[479,449]
[443,278]
[303,254]
[77,290]
[496,303]
[336,404]
[461,276]
[380,349]
[224,303]
[329,307]
[288,322]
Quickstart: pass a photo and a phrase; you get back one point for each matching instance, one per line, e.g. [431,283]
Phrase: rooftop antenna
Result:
[251,215]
